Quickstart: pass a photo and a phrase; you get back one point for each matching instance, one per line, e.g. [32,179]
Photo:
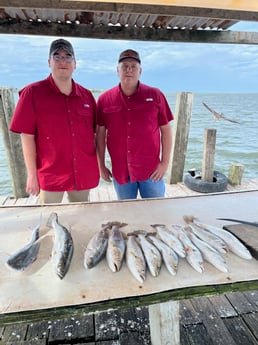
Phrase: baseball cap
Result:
[129,54]
[61,44]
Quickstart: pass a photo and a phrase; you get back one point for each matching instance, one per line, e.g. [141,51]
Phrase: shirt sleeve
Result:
[24,117]
[165,113]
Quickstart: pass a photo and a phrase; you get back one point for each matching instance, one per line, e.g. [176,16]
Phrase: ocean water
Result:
[235,143]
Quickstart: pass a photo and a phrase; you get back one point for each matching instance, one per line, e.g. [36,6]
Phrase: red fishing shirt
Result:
[64,129]
[133,130]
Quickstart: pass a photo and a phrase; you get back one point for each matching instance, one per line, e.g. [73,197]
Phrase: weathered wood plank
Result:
[15,333]
[252,297]
[251,320]
[239,302]
[38,330]
[164,323]
[188,314]
[72,328]
[108,325]
[222,306]
[196,334]
[239,331]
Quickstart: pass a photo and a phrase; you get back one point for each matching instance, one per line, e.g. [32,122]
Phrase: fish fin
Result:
[114,223]
[154,225]
[189,218]
[137,232]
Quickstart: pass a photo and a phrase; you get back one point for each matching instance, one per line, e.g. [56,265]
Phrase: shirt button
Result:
[129,123]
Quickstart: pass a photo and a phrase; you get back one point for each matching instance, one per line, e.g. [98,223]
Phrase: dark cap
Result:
[61,44]
[129,54]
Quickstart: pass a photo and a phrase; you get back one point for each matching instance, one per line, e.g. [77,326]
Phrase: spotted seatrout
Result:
[151,253]
[62,250]
[135,259]
[170,239]
[96,248]
[25,256]
[207,236]
[232,242]
[116,247]
[169,256]
[209,254]
[193,254]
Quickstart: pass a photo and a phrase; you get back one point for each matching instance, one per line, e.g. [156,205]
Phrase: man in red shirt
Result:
[133,121]
[57,118]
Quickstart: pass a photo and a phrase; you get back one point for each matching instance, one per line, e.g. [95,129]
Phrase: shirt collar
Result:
[75,88]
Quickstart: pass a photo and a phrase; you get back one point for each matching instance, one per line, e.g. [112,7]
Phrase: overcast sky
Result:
[172,67]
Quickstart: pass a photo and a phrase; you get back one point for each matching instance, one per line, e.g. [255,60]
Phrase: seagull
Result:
[216,116]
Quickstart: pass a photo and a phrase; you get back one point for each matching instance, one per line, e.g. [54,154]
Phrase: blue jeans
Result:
[147,189]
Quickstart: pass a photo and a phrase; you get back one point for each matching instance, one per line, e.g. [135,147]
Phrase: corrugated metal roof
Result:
[113,18]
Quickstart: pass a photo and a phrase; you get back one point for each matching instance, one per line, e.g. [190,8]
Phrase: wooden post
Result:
[181,127]
[235,174]
[12,143]
[164,323]
[208,155]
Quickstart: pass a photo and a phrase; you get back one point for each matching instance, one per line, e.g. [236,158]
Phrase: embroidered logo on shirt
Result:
[86,105]
[149,99]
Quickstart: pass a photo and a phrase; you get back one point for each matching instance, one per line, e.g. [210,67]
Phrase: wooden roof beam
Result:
[246,10]
[127,33]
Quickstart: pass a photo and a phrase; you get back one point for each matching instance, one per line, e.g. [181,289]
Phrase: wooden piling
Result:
[235,174]
[12,143]
[181,126]
[208,155]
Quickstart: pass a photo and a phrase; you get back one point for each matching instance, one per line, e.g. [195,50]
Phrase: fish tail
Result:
[53,217]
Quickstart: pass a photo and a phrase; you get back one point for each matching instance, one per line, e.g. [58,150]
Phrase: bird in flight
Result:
[217,116]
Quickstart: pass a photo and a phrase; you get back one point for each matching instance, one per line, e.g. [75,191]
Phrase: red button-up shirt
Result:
[133,130]
[64,129]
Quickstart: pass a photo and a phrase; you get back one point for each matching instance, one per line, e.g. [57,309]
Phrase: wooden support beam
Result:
[126,33]
[183,112]
[192,7]
[235,174]
[12,143]
[208,155]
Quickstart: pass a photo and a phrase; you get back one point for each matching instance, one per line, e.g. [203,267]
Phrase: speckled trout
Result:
[62,250]
[116,247]
[135,259]
[151,253]
[232,242]
[97,246]
[169,256]
[25,256]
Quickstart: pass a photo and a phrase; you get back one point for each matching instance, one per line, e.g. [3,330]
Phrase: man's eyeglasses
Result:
[132,67]
[66,58]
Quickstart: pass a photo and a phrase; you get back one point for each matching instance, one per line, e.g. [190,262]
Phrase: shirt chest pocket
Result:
[83,118]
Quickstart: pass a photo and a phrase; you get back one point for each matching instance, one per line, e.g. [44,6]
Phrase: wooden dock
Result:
[230,318]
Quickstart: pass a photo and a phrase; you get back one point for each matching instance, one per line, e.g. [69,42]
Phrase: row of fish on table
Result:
[141,250]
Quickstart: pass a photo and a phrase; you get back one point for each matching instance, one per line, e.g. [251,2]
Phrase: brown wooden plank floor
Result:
[230,318]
